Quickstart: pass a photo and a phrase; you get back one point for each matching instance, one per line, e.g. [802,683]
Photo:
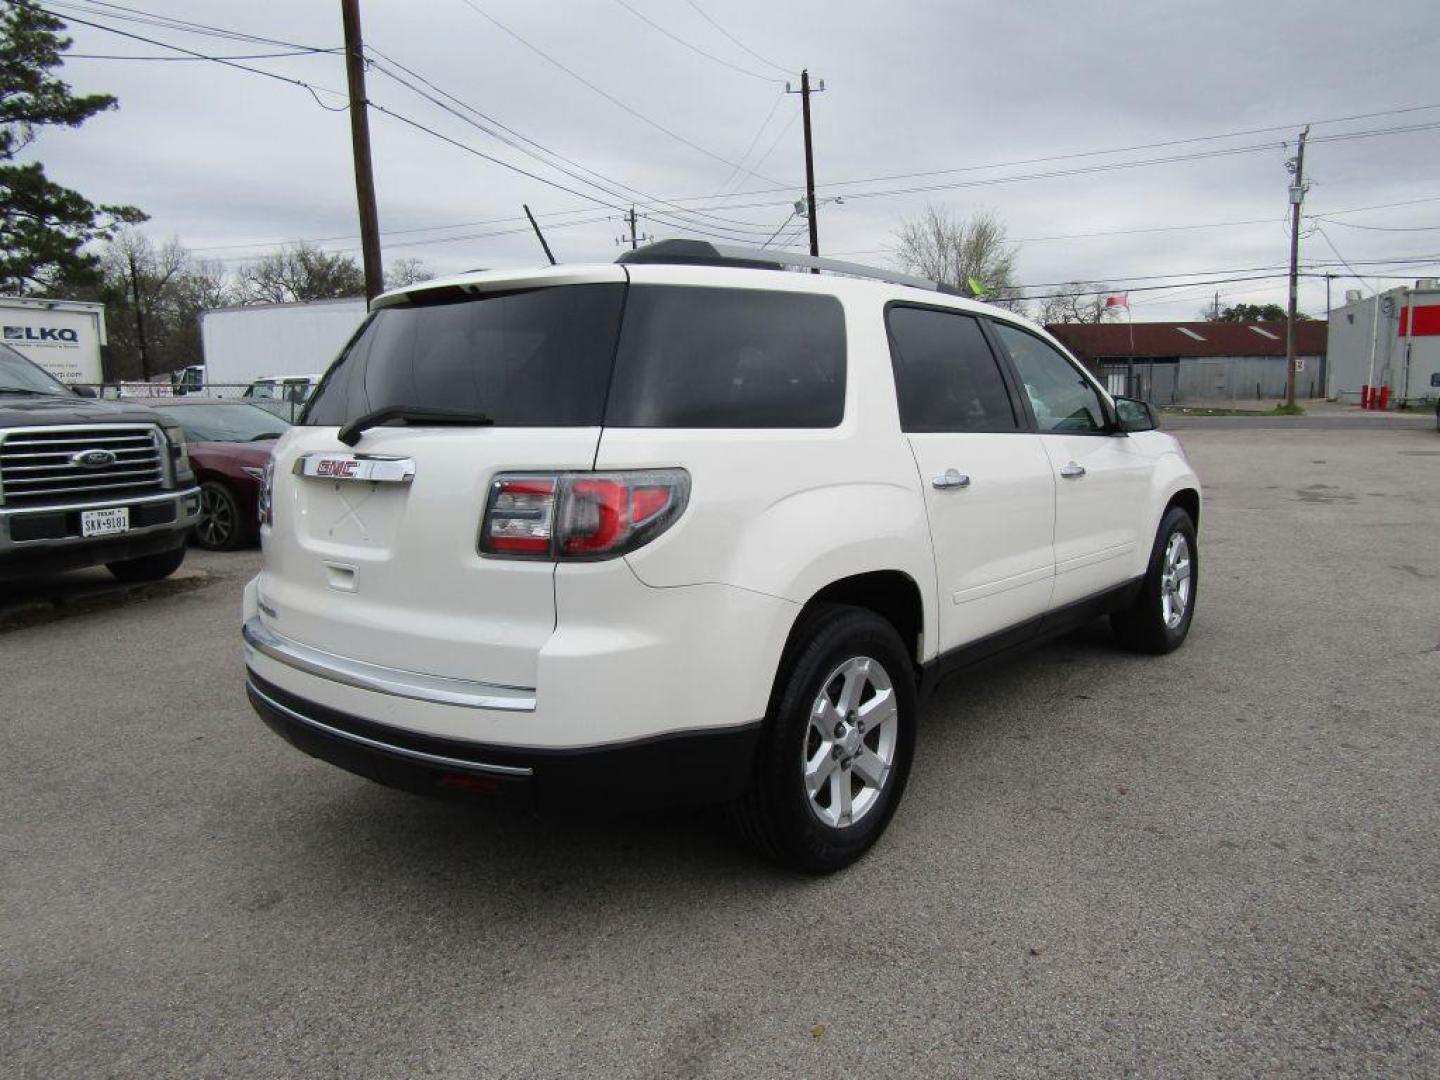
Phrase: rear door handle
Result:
[1072,471]
[950,478]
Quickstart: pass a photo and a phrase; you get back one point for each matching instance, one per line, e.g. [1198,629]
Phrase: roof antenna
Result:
[538,234]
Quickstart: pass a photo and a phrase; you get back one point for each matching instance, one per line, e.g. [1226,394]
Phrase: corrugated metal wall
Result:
[1229,378]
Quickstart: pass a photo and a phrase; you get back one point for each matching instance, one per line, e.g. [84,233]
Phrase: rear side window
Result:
[946,377]
[694,357]
[534,358]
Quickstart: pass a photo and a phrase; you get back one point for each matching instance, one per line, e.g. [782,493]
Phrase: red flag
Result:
[1118,300]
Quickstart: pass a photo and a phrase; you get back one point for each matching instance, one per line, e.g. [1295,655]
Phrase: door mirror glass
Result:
[1135,415]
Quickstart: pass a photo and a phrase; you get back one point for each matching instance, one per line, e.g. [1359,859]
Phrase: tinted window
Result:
[540,357]
[1062,398]
[946,378]
[729,358]
[18,373]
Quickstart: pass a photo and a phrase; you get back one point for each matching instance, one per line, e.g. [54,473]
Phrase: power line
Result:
[147,18]
[736,41]
[1122,150]
[610,186]
[695,48]
[242,56]
[605,93]
[1375,228]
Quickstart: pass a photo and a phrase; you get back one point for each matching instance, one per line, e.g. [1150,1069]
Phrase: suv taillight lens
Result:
[580,515]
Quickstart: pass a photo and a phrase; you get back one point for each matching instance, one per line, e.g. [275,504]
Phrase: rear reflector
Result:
[580,515]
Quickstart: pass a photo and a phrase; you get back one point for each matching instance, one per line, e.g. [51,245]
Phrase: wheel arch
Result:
[892,594]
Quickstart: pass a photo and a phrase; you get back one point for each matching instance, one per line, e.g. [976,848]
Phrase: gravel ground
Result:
[1223,862]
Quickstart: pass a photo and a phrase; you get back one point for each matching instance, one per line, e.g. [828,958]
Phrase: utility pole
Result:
[805,92]
[139,317]
[635,238]
[1297,198]
[360,142]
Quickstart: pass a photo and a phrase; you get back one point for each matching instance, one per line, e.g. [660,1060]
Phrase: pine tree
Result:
[44,227]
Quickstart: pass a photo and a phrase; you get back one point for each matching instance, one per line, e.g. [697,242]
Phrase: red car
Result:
[229,443]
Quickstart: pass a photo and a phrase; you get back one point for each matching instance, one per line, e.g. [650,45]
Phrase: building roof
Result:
[1164,340]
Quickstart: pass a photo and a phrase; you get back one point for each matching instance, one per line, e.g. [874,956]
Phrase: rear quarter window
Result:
[698,357]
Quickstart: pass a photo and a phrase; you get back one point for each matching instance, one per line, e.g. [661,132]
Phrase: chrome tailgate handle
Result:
[1072,471]
[950,478]
[374,468]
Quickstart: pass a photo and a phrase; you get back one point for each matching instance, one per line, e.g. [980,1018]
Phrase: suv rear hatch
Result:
[373,552]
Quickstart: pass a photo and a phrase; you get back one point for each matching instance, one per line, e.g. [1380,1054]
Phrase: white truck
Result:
[252,342]
[62,336]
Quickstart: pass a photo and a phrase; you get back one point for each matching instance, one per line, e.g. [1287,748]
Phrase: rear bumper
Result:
[692,767]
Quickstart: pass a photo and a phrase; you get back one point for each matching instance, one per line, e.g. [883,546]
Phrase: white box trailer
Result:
[254,341]
[63,336]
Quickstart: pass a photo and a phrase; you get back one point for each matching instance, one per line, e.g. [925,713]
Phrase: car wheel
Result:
[1159,620]
[837,745]
[219,527]
[148,567]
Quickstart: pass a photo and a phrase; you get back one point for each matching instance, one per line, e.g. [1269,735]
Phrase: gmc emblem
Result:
[339,469]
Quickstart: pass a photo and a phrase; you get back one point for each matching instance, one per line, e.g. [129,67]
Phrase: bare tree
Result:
[300,272]
[154,296]
[956,252]
[404,272]
[1078,302]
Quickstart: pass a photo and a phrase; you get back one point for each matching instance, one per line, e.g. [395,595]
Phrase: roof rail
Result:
[704,253]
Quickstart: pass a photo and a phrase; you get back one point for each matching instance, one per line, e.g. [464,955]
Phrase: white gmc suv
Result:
[693,527]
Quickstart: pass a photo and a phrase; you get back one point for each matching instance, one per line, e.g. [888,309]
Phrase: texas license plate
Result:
[104,522]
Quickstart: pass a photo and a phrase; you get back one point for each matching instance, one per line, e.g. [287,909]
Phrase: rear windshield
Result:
[537,358]
[686,357]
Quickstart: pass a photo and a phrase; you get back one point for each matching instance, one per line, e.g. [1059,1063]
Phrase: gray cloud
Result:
[221,157]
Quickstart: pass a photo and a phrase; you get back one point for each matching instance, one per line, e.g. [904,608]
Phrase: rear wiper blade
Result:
[27,390]
[411,414]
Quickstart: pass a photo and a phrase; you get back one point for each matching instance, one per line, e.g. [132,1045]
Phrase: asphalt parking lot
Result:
[1223,862]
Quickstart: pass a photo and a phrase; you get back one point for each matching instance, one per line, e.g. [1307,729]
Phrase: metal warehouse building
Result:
[1375,341]
[1180,362]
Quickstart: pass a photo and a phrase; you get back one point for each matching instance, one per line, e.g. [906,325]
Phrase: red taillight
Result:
[580,515]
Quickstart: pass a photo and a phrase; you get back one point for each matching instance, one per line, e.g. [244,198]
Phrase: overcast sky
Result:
[221,157]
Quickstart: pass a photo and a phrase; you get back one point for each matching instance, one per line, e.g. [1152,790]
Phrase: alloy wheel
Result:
[217,518]
[850,742]
[1175,581]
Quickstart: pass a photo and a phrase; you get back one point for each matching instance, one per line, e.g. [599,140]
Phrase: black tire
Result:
[148,567]
[775,813]
[220,527]
[1143,627]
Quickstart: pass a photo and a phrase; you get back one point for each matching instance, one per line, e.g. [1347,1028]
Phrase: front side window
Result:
[1062,398]
[696,357]
[946,378]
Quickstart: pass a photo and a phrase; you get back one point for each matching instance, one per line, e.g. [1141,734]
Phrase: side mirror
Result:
[1135,415]
[84,391]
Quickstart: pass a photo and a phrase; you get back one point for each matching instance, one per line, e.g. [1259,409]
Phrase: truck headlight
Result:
[179,456]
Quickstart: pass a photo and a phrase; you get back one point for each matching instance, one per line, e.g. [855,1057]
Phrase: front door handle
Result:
[950,478]
[1072,471]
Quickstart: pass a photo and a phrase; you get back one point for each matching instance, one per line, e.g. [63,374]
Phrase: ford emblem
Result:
[93,459]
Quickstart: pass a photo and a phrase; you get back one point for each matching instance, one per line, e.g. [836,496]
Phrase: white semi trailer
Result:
[63,336]
[261,341]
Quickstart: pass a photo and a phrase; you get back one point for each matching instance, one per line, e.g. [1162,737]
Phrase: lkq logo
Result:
[43,334]
[340,468]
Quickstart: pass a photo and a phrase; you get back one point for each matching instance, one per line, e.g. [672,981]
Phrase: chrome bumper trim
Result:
[396,682]
[388,748]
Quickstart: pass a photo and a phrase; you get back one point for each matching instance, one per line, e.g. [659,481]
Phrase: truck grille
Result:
[39,466]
